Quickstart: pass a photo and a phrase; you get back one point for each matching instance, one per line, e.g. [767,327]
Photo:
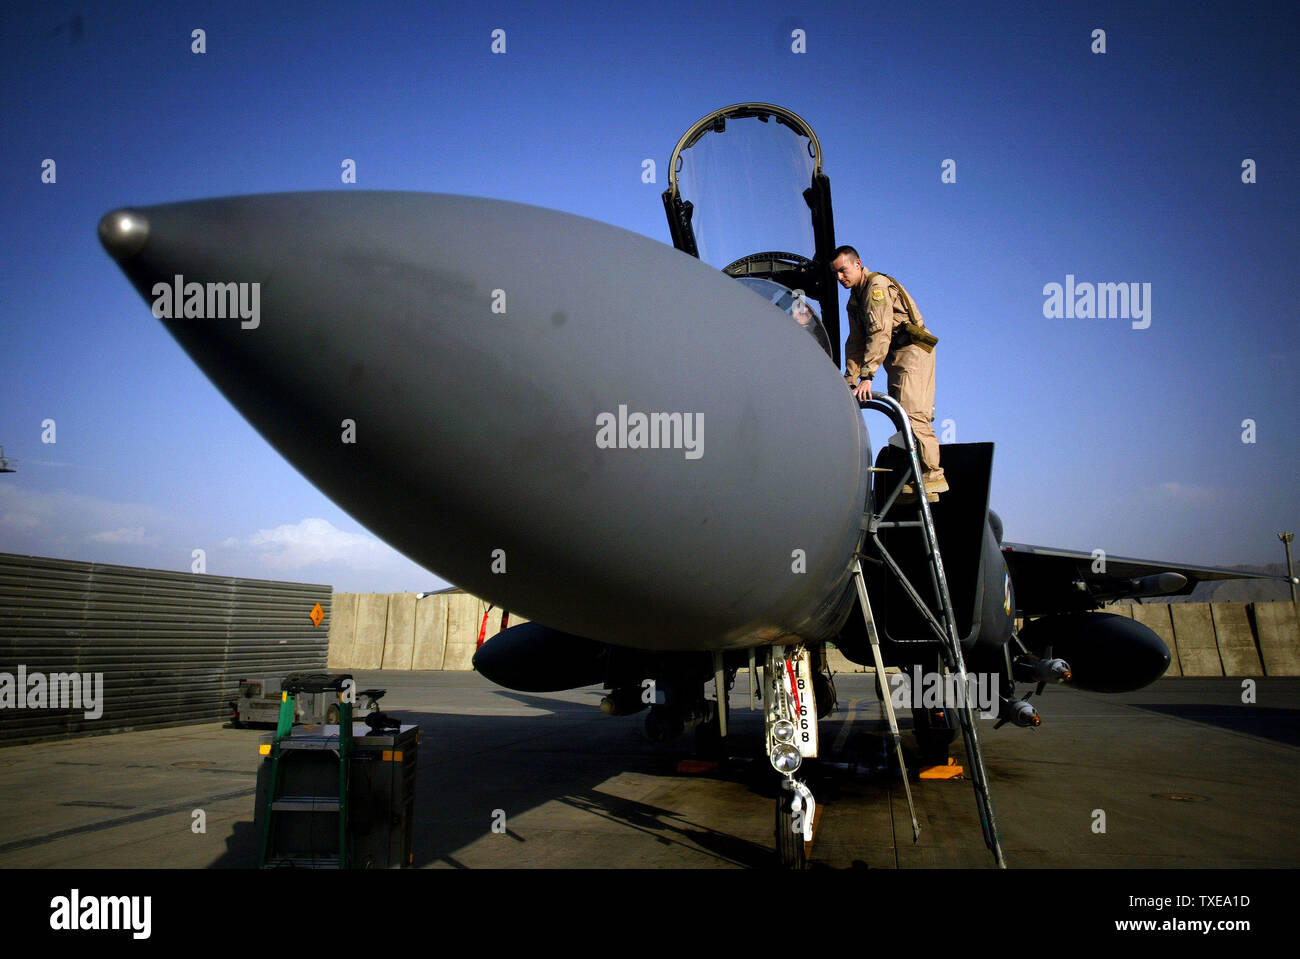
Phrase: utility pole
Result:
[1290,570]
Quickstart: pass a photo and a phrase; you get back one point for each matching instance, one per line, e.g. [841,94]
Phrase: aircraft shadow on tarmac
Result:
[533,760]
[1266,722]
[473,765]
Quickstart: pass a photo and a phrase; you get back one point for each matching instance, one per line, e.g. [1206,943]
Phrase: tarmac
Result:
[1182,774]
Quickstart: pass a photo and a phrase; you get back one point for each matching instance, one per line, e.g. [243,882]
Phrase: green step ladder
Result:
[285,743]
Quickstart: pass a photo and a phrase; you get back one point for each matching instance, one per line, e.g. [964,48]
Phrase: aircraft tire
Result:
[932,741]
[789,844]
[708,740]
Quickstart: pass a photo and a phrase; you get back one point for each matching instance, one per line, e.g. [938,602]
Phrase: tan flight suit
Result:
[877,335]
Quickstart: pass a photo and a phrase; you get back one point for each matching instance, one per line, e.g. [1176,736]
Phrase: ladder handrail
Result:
[951,645]
[283,730]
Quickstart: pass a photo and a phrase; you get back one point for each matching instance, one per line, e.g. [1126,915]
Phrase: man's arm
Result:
[880,323]
[854,351]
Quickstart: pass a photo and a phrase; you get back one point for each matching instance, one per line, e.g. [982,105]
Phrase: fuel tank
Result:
[537,659]
[1107,653]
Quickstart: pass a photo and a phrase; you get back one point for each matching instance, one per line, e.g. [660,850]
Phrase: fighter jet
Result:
[663,471]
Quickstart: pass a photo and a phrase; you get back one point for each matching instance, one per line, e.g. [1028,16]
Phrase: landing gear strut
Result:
[790,724]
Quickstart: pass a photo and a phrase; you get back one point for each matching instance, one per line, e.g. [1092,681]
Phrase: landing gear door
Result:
[788,695]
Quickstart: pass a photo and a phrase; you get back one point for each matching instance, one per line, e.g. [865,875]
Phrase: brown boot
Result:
[908,495]
[935,483]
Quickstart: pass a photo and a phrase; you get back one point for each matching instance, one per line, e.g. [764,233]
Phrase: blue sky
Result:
[1117,167]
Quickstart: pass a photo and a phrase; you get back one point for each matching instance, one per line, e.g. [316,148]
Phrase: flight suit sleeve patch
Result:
[878,294]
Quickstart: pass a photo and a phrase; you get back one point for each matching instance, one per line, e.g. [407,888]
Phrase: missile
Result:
[570,420]
[1167,583]
[1042,670]
[624,701]
[1020,713]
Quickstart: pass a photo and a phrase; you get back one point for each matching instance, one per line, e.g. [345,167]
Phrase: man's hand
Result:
[863,390]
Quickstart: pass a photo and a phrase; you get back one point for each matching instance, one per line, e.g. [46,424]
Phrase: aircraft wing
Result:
[1050,580]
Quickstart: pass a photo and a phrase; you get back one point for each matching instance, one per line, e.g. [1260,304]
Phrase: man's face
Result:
[848,270]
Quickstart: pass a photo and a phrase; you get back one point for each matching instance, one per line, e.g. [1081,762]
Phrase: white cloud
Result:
[1190,493]
[85,528]
[126,536]
[62,524]
[312,542]
[19,521]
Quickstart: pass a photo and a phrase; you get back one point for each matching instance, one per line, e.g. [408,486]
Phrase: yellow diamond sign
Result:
[317,614]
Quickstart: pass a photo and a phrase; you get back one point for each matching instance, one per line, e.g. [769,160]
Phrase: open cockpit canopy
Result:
[747,194]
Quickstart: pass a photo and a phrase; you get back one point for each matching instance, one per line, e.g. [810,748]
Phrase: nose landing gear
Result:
[790,725]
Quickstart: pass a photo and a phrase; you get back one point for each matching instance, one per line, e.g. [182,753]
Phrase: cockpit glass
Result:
[801,310]
[747,184]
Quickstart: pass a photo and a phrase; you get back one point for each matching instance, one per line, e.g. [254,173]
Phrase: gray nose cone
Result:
[123,233]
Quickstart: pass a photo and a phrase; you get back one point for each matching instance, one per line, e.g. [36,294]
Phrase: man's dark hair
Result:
[840,250]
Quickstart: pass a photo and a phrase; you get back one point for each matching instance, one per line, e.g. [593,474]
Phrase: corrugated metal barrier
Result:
[170,647]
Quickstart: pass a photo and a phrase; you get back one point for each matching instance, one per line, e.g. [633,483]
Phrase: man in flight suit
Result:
[878,317]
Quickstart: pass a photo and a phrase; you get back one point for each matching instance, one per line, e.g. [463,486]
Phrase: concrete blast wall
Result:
[399,631]
[440,631]
[1209,639]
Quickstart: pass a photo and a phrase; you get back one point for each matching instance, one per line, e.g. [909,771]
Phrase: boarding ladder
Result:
[944,626]
[284,743]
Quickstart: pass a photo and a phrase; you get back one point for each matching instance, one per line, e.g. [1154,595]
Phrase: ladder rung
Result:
[319,745]
[306,804]
[302,860]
